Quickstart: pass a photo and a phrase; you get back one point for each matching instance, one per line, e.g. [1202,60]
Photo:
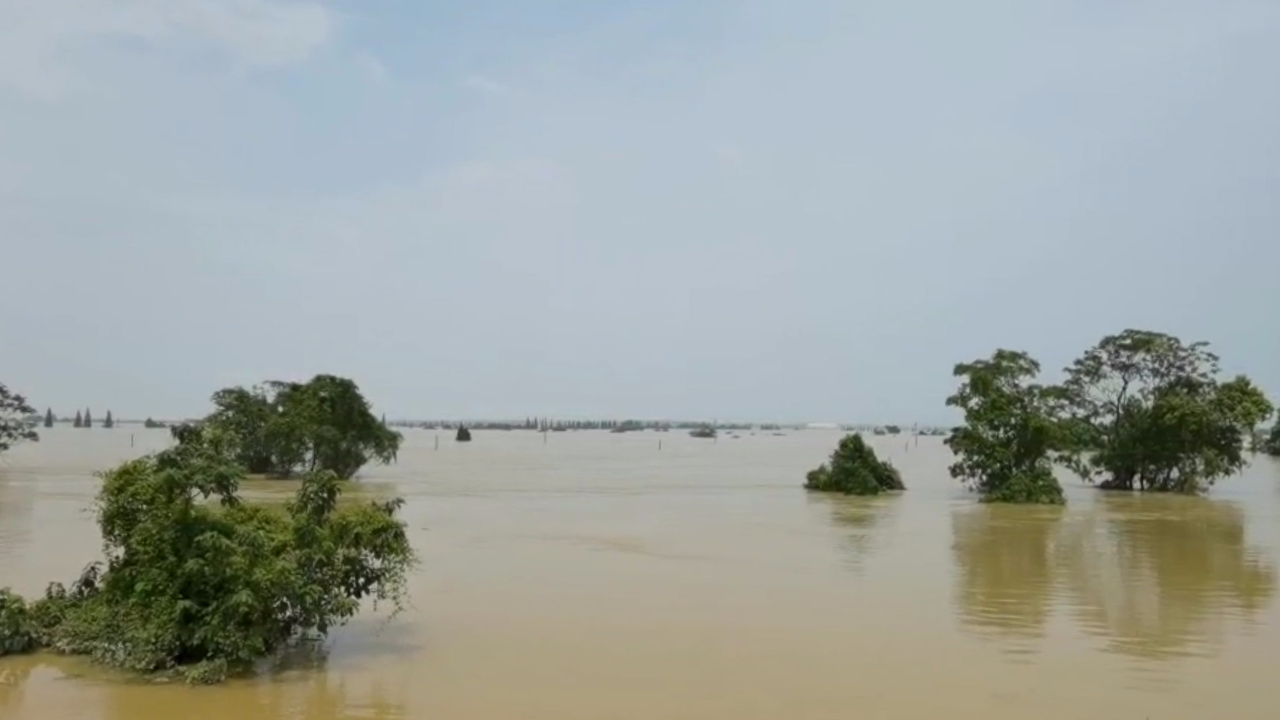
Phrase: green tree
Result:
[14,425]
[240,421]
[1148,412]
[1272,446]
[108,422]
[88,419]
[49,419]
[1004,448]
[206,588]
[79,420]
[854,469]
[281,428]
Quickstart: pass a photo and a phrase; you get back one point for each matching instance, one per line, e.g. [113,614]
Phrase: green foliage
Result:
[204,589]
[88,419]
[1004,448]
[16,634]
[1272,444]
[1148,412]
[854,469]
[15,426]
[108,422]
[152,424]
[49,419]
[281,428]
[464,435]
[79,420]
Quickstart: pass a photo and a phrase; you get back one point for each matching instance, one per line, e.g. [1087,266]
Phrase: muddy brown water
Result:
[597,576]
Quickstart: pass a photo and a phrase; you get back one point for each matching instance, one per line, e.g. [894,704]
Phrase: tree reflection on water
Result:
[1154,577]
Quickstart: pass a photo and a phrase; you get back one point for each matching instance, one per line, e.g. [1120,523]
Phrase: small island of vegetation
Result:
[854,469]
[201,584]
[280,429]
[464,435]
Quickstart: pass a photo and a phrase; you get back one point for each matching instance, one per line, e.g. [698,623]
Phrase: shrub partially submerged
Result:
[205,589]
[854,470]
[16,634]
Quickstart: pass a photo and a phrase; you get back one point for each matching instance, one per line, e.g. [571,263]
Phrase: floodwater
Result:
[598,577]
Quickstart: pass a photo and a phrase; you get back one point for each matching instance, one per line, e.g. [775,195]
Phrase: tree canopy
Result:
[108,422]
[1272,444]
[88,419]
[854,469]
[49,419]
[205,588]
[464,435]
[281,428]
[15,426]
[1004,448]
[79,422]
[1148,412]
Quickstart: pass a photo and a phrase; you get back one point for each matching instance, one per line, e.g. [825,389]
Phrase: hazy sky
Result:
[802,209]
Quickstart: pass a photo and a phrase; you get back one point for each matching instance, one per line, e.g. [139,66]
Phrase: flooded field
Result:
[596,576]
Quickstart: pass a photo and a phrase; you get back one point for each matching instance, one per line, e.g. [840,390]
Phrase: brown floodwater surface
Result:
[596,576]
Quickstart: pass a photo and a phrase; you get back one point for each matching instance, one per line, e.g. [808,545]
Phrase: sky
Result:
[737,209]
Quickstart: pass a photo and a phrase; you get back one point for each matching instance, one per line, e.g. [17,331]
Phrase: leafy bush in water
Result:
[284,427]
[16,635]
[854,470]
[1153,415]
[206,589]
[1004,450]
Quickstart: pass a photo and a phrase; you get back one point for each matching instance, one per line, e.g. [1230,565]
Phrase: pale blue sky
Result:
[756,209]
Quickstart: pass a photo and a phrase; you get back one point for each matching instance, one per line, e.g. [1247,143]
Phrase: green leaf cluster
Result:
[1139,411]
[198,583]
[282,428]
[1004,449]
[1151,414]
[854,469]
[17,634]
[14,424]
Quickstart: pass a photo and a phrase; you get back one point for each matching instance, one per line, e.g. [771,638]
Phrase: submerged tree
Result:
[1149,413]
[88,419]
[854,469]
[79,420]
[206,589]
[283,427]
[108,422]
[49,419]
[464,435]
[1272,444]
[1004,448]
[15,426]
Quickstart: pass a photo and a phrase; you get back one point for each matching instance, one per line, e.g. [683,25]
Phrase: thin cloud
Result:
[486,86]
[373,68]
[47,45]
